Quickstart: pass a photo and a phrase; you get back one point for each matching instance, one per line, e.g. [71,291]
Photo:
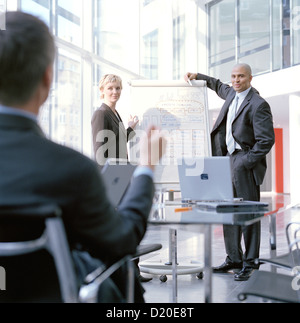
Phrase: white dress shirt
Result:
[17,112]
[241,96]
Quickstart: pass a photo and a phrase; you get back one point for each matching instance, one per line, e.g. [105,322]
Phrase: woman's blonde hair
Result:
[109,78]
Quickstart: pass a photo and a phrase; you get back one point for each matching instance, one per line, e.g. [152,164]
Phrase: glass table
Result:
[176,216]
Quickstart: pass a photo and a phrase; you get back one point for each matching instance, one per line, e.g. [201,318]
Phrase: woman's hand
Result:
[133,122]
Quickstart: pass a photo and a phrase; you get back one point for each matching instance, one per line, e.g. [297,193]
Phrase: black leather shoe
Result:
[144,279]
[244,274]
[227,266]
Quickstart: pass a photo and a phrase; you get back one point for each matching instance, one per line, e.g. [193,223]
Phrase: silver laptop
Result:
[117,176]
[205,179]
[207,182]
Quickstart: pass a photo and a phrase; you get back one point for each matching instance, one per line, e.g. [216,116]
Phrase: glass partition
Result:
[39,8]
[264,34]
[296,31]
[254,34]
[66,117]
[222,40]
[276,35]
[69,21]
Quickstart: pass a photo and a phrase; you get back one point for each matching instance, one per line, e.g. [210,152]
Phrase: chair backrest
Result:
[293,237]
[52,239]
[293,232]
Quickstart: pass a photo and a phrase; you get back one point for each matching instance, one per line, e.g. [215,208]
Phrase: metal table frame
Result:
[203,219]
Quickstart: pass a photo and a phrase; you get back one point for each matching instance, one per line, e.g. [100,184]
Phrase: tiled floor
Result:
[190,248]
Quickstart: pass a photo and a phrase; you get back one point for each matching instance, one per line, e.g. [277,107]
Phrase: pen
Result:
[190,83]
[183,209]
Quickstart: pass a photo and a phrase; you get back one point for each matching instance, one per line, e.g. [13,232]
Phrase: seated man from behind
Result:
[35,170]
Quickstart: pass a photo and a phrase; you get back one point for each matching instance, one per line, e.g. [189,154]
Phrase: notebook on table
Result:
[117,174]
[233,206]
[206,181]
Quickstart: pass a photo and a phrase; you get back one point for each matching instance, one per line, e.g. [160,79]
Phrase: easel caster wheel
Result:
[200,276]
[163,278]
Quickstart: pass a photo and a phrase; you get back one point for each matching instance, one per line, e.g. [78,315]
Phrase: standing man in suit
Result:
[244,131]
[35,170]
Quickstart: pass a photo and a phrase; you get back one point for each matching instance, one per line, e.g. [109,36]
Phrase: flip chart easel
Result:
[181,112]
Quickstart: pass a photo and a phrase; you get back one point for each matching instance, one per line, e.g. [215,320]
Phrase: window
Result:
[178,47]
[153,43]
[296,31]
[286,23]
[67,99]
[146,2]
[150,57]
[222,32]
[39,8]
[254,35]
[112,43]
[69,18]
[276,35]
[264,34]
[2,16]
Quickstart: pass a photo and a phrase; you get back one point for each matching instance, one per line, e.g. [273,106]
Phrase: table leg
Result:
[171,238]
[131,282]
[173,234]
[208,264]
[273,238]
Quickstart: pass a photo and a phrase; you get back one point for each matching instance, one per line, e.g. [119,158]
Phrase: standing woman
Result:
[109,134]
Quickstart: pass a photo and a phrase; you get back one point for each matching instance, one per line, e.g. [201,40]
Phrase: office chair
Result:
[88,293]
[146,249]
[279,287]
[284,261]
[49,252]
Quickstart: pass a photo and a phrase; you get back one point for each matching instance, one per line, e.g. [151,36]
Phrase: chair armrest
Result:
[88,293]
[145,249]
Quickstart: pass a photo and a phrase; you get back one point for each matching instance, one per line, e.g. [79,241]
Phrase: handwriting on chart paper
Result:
[182,113]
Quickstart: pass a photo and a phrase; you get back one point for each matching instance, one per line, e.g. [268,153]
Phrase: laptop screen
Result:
[205,178]
[117,175]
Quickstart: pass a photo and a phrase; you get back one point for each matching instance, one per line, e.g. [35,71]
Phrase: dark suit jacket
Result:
[109,135]
[34,170]
[252,128]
